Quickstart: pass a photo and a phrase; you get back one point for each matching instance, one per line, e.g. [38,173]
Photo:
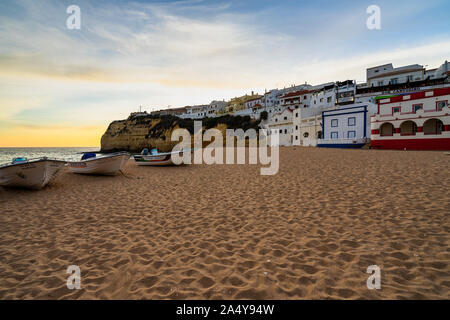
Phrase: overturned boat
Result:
[155,158]
[105,165]
[29,173]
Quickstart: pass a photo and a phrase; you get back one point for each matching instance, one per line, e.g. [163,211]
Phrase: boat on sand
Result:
[29,173]
[155,158]
[108,164]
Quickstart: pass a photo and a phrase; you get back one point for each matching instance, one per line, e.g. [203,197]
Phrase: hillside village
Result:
[347,114]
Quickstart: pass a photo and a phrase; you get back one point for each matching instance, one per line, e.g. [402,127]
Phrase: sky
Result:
[62,87]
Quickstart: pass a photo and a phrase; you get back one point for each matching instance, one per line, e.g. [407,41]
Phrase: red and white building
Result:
[416,121]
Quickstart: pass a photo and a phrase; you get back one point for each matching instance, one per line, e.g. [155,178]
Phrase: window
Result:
[417,107]
[351,134]
[296,137]
[410,78]
[306,135]
[440,105]
[396,109]
[281,131]
[334,135]
[334,122]
[296,115]
[394,80]
[285,130]
[321,99]
[352,121]
[380,83]
[296,127]
[285,118]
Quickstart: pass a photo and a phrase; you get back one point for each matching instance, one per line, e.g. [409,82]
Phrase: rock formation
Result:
[139,132]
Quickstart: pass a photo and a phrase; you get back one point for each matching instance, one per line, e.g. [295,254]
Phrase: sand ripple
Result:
[225,232]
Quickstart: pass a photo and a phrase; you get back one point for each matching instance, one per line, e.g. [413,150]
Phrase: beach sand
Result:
[226,232]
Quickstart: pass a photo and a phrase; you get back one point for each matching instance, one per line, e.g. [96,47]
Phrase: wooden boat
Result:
[105,165]
[155,158]
[29,173]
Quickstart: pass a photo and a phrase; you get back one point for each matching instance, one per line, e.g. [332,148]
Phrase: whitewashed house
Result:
[323,95]
[216,108]
[307,125]
[388,75]
[281,124]
[296,99]
[439,73]
[346,127]
[195,112]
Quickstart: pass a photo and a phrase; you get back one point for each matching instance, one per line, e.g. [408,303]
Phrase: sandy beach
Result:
[226,232]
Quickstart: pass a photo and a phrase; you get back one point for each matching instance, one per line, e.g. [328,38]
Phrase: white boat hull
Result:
[31,175]
[106,165]
[153,160]
[159,159]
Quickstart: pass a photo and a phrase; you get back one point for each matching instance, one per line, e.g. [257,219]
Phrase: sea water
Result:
[69,154]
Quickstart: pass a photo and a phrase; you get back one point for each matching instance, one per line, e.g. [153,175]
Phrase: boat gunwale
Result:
[110,155]
[32,160]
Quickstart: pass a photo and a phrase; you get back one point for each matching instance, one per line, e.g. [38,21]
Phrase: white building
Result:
[296,99]
[205,110]
[269,99]
[442,72]
[307,125]
[249,104]
[195,112]
[346,127]
[216,107]
[387,75]
[323,95]
[281,124]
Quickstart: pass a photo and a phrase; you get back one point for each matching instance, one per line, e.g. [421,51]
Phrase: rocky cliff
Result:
[137,133]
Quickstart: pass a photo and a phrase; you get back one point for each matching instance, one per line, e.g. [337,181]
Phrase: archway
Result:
[387,129]
[408,128]
[433,126]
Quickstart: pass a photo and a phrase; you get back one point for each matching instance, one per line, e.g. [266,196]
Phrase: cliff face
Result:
[137,133]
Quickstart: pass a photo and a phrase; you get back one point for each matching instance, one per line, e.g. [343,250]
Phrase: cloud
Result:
[171,44]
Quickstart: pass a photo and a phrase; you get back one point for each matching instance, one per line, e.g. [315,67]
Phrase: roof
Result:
[382,65]
[253,99]
[394,73]
[295,93]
